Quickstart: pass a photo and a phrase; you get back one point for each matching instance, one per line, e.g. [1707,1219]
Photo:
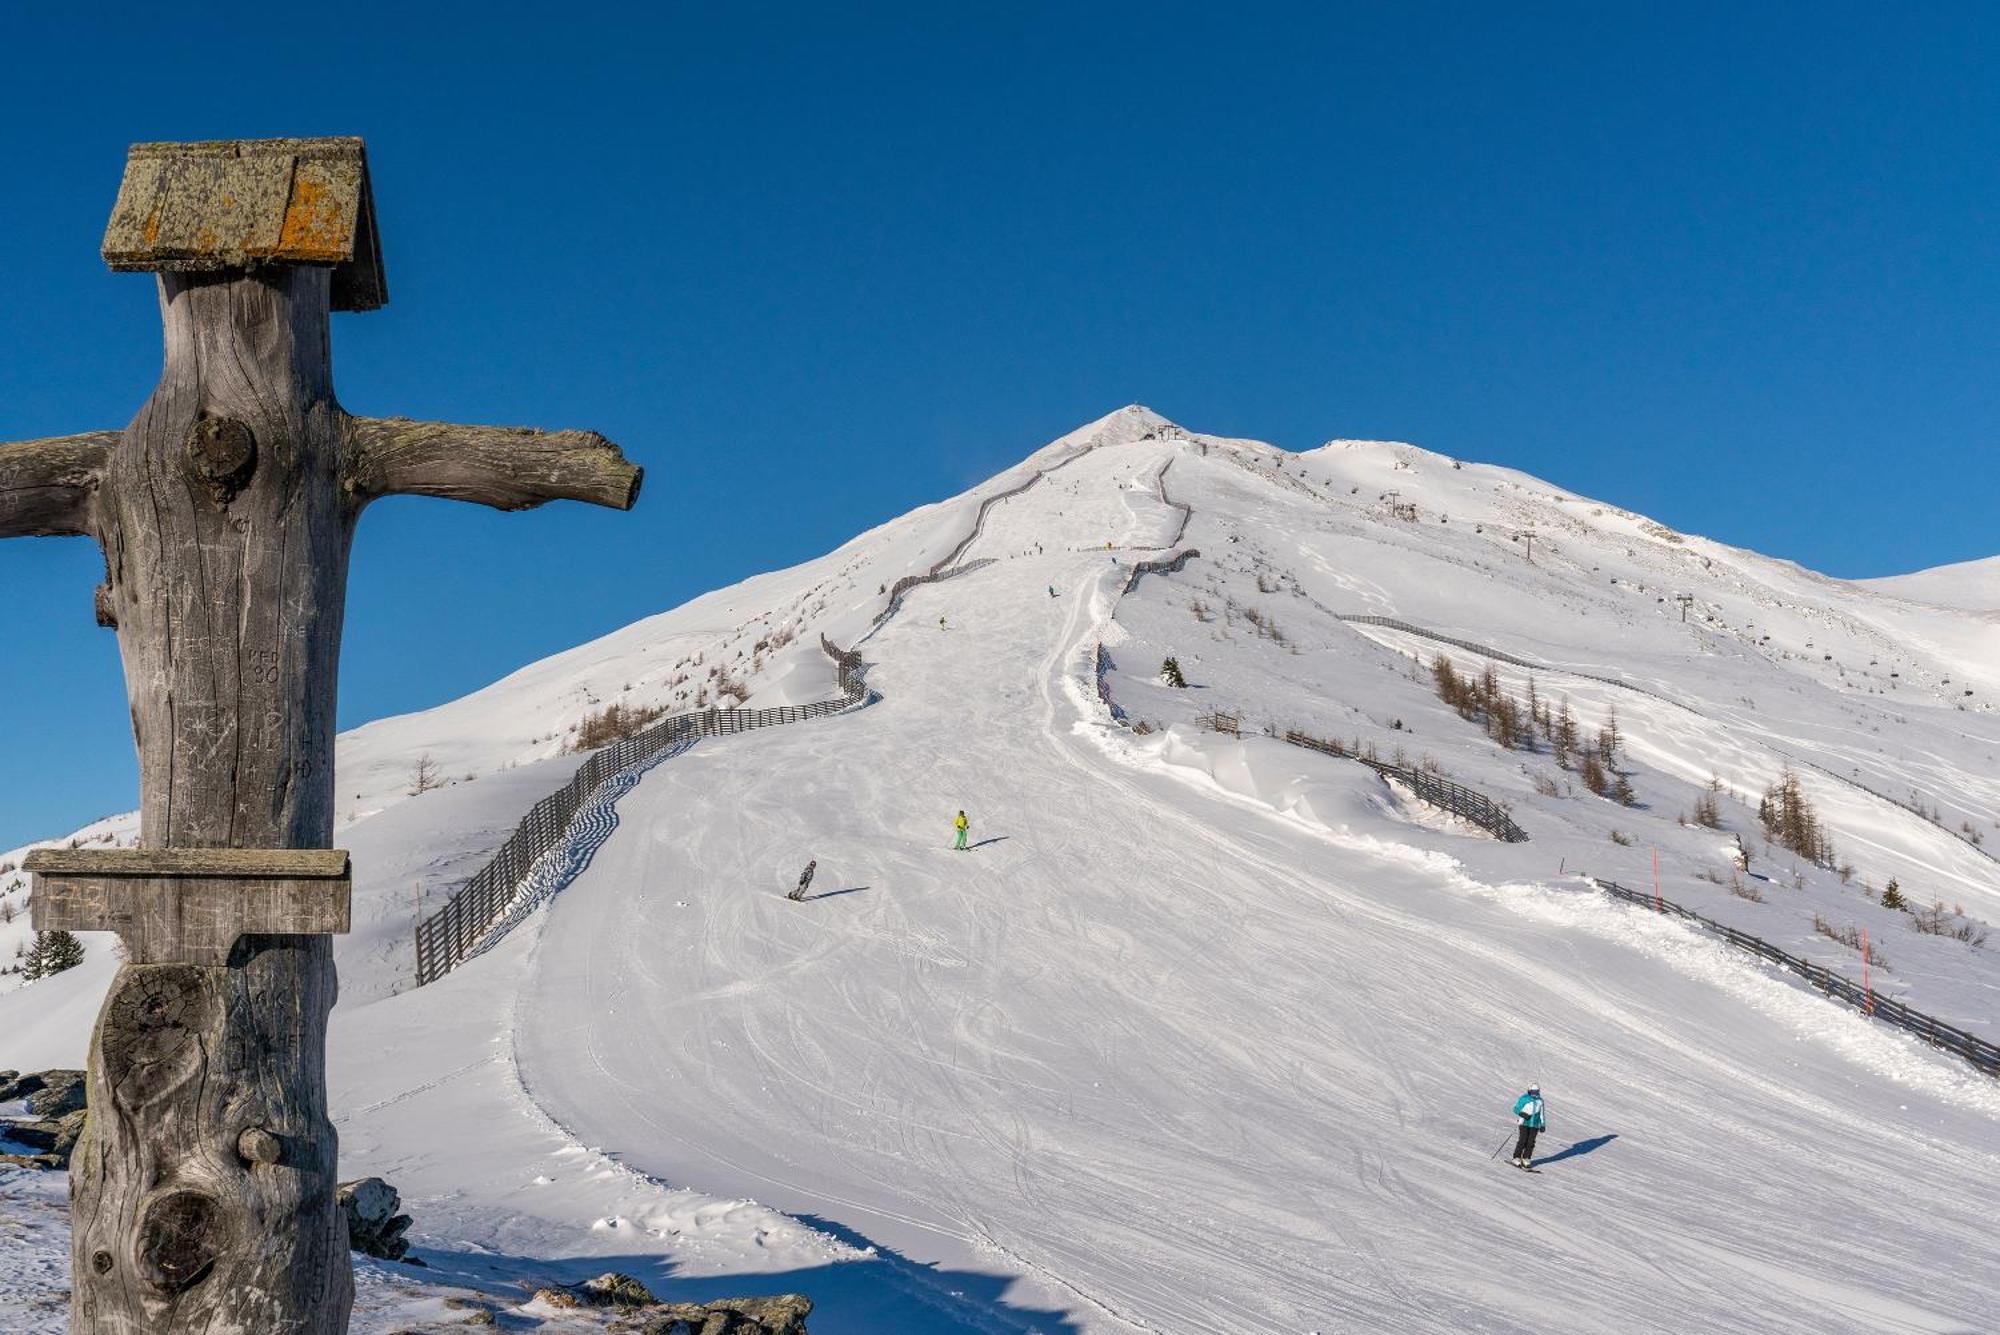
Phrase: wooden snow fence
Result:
[1982,1054]
[946,567]
[936,575]
[1456,798]
[1186,511]
[465,925]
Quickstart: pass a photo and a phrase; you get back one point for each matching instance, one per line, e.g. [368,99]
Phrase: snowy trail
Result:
[1187,1080]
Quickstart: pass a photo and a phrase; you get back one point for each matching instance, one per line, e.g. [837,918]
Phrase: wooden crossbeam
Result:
[189,905]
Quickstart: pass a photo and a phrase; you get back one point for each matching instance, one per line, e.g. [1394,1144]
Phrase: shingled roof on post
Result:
[242,203]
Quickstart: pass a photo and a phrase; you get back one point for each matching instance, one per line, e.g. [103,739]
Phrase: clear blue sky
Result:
[1730,265]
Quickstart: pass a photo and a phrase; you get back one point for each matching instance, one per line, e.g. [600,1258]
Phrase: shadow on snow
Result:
[885,1294]
[1580,1148]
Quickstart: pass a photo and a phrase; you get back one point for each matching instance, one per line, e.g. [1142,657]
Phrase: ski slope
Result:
[1204,1034]
[1231,1080]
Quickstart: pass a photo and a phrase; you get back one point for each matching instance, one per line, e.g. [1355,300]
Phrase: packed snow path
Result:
[1202,1069]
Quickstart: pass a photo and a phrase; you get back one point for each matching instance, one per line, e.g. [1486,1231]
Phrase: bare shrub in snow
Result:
[613,723]
[424,776]
[1708,807]
[728,686]
[1850,936]
[1937,920]
[1266,627]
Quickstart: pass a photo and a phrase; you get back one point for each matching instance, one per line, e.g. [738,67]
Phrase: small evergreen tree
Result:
[1170,672]
[1892,897]
[51,954]
[1593,775]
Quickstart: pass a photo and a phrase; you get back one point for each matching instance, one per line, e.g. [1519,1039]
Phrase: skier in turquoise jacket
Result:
[1528,1110]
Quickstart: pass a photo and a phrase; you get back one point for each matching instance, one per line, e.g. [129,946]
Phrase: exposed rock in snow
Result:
[375,1224]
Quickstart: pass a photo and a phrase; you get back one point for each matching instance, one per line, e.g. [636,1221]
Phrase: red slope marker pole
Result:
[1866,990]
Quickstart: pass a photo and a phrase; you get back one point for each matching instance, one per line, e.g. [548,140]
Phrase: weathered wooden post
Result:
[202,1193]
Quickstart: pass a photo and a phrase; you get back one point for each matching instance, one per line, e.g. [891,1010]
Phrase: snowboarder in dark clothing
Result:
[805,879]
[1528,1109]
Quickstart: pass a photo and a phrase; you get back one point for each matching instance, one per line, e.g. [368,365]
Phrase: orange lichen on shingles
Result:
[316,226]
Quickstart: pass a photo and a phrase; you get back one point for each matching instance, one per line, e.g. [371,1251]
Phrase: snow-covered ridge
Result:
[1969,586]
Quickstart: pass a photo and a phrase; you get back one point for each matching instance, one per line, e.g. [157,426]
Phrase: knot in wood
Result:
[259,1146]
[181,1234]
[152,1029]
[158,1009]
[223,454]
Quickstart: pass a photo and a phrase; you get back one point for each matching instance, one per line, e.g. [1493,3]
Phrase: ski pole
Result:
[1501,1146]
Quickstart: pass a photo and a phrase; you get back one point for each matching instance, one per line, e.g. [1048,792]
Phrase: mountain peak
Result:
[1131,423]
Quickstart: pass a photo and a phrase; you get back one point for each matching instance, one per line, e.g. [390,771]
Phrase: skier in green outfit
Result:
[961,825]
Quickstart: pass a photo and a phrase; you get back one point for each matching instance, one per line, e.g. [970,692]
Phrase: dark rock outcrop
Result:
[643,1314]
[374,1226]
[55,1116]
[784,1315]
[14,1085]
[61,1094]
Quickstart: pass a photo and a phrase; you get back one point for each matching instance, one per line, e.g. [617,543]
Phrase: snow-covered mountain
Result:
[1971,586]
[1207,1032]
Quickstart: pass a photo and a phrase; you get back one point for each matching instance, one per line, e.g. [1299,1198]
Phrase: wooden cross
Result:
[202,1191]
